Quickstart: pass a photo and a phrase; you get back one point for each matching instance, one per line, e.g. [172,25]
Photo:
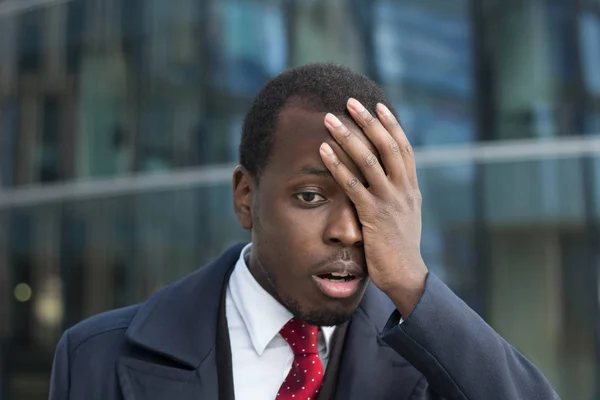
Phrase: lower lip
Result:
[338,290]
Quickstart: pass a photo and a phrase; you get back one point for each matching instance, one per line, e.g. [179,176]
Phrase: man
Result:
[331,300]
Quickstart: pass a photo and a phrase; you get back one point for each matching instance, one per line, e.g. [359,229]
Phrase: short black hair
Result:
[314,87]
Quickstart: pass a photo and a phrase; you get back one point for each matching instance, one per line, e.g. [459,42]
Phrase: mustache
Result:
[352,261]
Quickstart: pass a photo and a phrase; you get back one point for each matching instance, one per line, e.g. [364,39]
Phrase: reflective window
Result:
[424,54]
[136,107]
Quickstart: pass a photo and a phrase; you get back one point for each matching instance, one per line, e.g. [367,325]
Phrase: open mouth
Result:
[337,277]
[340,279]
[337,285]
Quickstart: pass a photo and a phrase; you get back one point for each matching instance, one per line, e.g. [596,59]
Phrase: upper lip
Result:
[342,266]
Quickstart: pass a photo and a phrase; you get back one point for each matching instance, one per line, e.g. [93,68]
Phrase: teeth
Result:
[340,274]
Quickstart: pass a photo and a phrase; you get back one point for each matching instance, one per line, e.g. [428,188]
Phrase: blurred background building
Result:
[119,126]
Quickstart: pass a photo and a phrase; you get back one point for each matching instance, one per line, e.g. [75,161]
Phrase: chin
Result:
[331,315]
[326,319]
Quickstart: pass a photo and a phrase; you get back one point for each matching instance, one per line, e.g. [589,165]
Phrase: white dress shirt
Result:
[261,358]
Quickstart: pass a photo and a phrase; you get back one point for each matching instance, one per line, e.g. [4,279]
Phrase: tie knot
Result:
[301,337]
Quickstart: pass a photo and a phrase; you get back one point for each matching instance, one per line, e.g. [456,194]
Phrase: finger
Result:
[380,137]
[355,190]
[393,126]
[364,159]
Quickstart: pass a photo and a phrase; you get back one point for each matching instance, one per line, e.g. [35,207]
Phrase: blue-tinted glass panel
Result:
[424,57]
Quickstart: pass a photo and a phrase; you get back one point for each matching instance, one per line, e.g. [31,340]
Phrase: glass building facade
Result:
[119,126]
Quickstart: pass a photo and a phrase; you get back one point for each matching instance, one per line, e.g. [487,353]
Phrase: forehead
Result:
[298,136]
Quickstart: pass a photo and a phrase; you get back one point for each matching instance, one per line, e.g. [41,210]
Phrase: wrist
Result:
[406,291]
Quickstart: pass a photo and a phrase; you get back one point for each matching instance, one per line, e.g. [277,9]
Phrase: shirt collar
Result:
[263,316]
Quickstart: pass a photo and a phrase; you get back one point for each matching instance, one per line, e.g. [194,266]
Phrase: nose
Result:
[343,226]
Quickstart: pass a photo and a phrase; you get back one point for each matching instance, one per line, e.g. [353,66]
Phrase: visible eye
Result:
[310,197]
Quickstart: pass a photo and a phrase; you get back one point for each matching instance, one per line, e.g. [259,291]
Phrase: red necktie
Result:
[305,378]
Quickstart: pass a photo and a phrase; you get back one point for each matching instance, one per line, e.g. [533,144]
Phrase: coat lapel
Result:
[175,333]
[369,368]
[142,380]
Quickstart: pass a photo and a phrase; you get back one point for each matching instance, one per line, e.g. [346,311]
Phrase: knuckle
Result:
[371,160]
[353,182]
[392,121]
[386,213]
[369,119]
[408,150]
[347,133]
[414,199]
[394,146]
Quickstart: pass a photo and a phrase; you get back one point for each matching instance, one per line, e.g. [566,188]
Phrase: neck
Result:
[258,272]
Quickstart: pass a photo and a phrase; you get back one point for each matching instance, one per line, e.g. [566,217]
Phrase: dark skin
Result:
[310,209]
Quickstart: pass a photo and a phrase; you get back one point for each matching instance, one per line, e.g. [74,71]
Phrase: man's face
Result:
[307,243]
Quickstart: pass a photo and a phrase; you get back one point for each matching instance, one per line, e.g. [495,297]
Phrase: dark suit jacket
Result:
[166,348]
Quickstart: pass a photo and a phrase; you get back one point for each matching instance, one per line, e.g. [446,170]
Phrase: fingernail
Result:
[355,105]
[332,120]
[382,109]
[327,150]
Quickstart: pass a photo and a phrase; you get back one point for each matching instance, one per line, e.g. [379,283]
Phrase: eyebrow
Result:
[314,171]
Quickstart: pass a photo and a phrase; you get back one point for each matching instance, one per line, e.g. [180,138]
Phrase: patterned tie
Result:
[305,378]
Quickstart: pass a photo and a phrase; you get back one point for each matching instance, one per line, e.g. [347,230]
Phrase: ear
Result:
[243,195]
